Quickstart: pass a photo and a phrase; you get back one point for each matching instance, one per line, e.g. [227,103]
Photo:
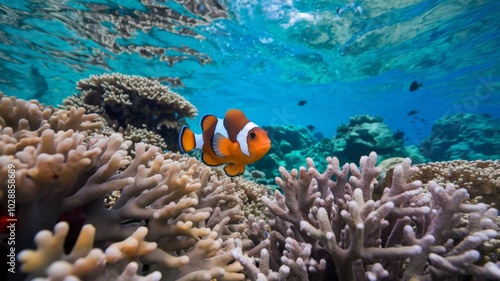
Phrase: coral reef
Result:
[136,106]
[463,136]
[141,135]
[387,165]
[288,143]
[363,134]
[480,178]
[192,213]
[119,261]
[332,229]
[165,215]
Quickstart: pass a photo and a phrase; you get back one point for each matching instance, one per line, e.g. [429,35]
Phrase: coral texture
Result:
[119,261]
[191,212]
[364,134]
[324,228]
[288,143]
[135,106]
[463,136]
[479,177]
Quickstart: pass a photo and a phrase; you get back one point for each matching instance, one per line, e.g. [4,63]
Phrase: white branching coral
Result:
[332,218]
[62,168]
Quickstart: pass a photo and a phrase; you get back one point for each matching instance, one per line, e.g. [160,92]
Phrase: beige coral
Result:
[135,105]
[479,177]
[85,262]
[251,194]
[22,122]
[185,205]
[191,225]
[143,135]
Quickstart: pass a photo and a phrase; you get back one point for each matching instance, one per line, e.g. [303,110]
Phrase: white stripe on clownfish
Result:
[198,140]
[219,128]
[219,132]
[241,138]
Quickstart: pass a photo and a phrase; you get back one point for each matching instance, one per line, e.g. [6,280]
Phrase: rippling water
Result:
[343,57]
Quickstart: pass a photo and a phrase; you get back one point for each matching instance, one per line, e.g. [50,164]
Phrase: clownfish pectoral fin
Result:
[221,145]
[210,160]
[234,170]
[187,140]
[208,121]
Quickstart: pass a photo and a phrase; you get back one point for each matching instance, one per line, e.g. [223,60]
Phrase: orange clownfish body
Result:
[234,141]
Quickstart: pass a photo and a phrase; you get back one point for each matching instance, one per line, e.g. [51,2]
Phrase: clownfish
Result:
[234,141]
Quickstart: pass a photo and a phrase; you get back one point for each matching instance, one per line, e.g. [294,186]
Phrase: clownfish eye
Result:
[252,135]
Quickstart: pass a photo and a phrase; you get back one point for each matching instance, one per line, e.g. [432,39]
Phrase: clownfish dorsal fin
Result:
[221,145]
[234,121]
[208,121]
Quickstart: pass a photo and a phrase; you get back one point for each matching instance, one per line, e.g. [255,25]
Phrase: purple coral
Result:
[336,219]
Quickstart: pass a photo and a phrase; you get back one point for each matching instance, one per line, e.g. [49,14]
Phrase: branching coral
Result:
[132,103]
[47,164]
[191,215]
[190,211]
[187,221]
[22,121]
[338,222]
[168,198]
[84,262]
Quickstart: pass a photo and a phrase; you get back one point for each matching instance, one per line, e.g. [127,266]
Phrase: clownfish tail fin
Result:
[187,139]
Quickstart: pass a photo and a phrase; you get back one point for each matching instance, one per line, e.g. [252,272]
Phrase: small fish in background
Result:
[412,112]
[415,85]
[311,127]
[399,135]
[234,141]
[302,102]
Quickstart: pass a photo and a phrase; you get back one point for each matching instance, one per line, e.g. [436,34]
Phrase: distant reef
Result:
[456,136]
[363,133]
[463,136]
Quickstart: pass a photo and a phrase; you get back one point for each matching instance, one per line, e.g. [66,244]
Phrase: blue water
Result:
[265,56]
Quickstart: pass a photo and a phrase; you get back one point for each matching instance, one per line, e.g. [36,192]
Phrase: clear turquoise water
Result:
[265,56]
